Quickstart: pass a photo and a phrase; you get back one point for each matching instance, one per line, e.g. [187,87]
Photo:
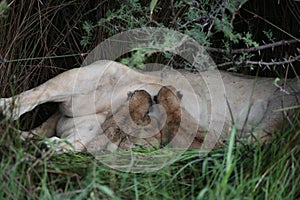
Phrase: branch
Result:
[290,60]
[247,62]
[247,50]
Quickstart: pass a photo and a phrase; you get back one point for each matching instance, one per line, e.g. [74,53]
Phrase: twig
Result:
[175,16]
[247,50]
[290,60]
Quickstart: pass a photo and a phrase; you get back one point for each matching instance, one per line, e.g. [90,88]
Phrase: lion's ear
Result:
[179,95]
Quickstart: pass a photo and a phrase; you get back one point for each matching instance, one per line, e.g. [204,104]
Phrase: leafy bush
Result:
[224,28]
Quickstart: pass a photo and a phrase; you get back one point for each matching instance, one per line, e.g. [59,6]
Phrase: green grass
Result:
[246,171]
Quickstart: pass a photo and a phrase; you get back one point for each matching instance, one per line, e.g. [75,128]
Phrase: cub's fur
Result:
[169,98]
[131,125]
[140,102]
[179,129]
[126,129]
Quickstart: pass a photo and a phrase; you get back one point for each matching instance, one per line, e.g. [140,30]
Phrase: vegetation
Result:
[40,39]
[252,171]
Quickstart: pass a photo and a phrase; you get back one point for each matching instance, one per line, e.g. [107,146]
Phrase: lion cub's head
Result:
[179,122]
[140,102]
[169,98]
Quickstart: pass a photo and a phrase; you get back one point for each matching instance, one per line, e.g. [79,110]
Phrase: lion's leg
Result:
[58,89]
[47,129]
[54,90]
[76,133]
[100,76]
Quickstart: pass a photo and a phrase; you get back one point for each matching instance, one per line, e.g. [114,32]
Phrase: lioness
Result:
[88,94]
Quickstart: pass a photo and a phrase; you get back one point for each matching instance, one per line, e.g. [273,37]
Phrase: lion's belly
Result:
[83,127]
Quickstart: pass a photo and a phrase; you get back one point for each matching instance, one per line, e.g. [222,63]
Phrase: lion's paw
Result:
[62,145]
[7,108]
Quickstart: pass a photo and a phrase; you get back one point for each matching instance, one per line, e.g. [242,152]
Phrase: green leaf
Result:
[276,81]
[152,5]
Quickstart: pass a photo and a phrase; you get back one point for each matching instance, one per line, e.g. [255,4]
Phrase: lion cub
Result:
[180,129]
[131,126]
[169,98]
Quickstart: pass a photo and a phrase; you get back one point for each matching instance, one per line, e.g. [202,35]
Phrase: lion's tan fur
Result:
[87,95]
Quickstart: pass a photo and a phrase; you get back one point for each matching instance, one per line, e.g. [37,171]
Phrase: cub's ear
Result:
[179,95]
[166,89]
[129,95]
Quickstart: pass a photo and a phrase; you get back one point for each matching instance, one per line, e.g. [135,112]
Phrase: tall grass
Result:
[245,171]
[34,35]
